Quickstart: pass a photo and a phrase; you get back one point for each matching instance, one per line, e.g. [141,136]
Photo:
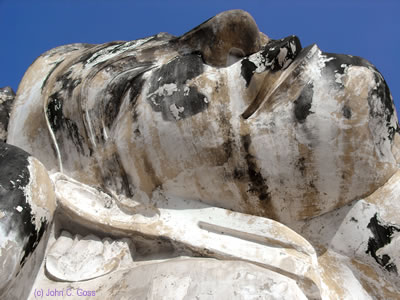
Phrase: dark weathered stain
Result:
[301,166]
[112,100]
[185,101]
[247,70]
[382,235]
[392,131]
[135,88]
[14,177]
[337,63]
[54,111]
[134,92]
[50,73]
[93,53]
[258,184]
[381,92]
[346,112]
[115,176]
[302,106]
[180,69]
[73,133]
[7,97]
[238,174]
[59,122]
[68,82]
[385,111]
[226,130]
[228,147]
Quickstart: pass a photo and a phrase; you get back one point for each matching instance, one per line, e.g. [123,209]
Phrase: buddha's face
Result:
[222,114]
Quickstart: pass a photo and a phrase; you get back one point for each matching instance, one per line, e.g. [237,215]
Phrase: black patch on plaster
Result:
[7,95]
[55,111]
[274,48]
[14,177]
[382,235]
[68,83]
[385,110]
[337,63]
[238,174]
[49,74]
[186,101]
[58,122]
[302,106]
[270,54]
[247,70]
[134,92]
[228,145]
[301,165]
[136,87]
[258,184]
[346,112]
[94,53]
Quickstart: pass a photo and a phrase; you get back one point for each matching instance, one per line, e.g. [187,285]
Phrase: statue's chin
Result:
[319,140]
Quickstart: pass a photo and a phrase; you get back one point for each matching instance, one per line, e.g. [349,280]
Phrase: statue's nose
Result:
[231,33]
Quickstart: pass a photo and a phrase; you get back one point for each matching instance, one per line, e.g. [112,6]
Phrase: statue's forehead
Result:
[157,49]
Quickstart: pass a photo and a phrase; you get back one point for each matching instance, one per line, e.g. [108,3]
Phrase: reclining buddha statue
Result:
[220,164]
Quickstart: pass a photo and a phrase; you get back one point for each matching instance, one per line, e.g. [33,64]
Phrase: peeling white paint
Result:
[175,110]
[39,211]
[166,90]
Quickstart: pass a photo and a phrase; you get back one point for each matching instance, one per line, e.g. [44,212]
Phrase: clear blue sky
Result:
[367,28]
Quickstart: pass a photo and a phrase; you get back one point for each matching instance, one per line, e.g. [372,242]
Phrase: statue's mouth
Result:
[279,54]
[282,56]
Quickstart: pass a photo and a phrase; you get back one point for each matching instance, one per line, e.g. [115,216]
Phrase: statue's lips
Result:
[267,90]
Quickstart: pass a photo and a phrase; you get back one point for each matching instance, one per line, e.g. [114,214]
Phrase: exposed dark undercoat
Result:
[177,72]
[258,184]
[382,235]
[14,177]
[302,106]
[7,96]
[270,56]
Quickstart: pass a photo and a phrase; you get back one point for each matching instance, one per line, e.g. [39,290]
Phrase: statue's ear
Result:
[223,38]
